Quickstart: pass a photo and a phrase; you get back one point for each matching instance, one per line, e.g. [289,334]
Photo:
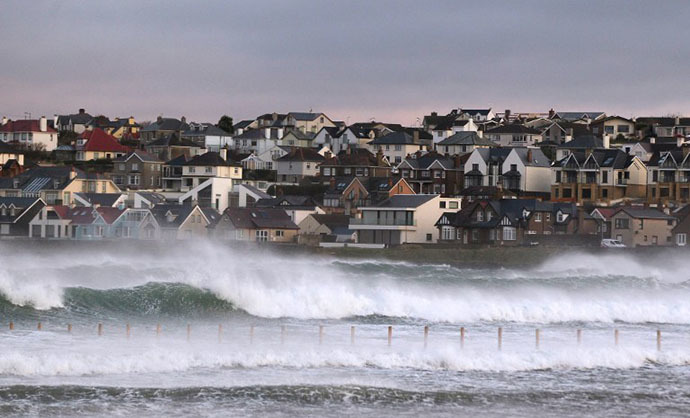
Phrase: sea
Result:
[204,329]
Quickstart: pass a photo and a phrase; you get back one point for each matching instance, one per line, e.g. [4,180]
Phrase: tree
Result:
[225,123]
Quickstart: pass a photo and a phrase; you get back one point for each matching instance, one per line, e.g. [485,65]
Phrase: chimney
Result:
[434,114]
[328,155]
[390,182]
[506,114]
[4,120]
[43,124]
[552,113]
[652,140]
[677,121]
[680,140]
[274,116]
[379,157]
[607,141]
[415,136]
[529,155]
[267,133]
[159,119]
[82,111]
[456,160]
[72,174]
[183,119]
[280,132]
[223,153]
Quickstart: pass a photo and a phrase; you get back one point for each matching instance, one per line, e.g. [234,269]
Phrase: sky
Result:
[392,61]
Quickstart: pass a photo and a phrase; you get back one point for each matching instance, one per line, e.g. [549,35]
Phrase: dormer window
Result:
[480,216]
[56,184]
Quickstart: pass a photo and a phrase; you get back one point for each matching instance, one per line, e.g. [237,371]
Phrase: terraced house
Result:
[598,176]
[668,177]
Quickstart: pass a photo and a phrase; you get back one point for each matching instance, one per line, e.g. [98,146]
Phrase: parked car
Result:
[611,243]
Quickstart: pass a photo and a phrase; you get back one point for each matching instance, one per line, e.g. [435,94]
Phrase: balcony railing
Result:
[384,222]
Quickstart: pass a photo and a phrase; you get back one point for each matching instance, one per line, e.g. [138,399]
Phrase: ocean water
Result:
[218,331]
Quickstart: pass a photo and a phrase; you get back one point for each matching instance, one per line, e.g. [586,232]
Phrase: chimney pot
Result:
[82,111]
[43,124]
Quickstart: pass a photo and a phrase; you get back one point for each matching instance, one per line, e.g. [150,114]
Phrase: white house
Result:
[514,135]
[297,164]
[402,219]
[527,171]
[29,133]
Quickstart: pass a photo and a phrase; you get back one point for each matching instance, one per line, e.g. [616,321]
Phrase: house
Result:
[442,127]
[171,146]
[396,146]
[308,122]
[682,229]
[298,164]
[599,176]
[208,136]
[138,170]
[55,185]
[433,173]
[11,160]
[583,143]
[74,123]
[477,115]
[662,127]
[256,225]
[162,128]
[113,200]
[297,138]
[668,176]
[172,173]
[29,134]
[358,135]
[97,144]
[209,179]
[51,222]
[16,213]
[642,227]
[521,170]
[123,128]
[297,207]
[183,222]
[614,126]
[358,162]
[462,143]
[514,135]
[347,194]
[327,136]
[326,228]
[147,200]
[507,222]
[558,132]
[258,140]
[402,219]
[575,116]
[646,148]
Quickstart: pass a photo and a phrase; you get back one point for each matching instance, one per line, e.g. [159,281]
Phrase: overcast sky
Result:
[354,60]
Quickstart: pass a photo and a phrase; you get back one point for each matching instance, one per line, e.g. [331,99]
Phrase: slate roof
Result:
[76,118]
[181,213]
[166,124]
[583,142]
[538,157]
[302,154]
[288,202]
[513,209]
[397,138]
[172,140]
[613,158]
[467,138]
[43,178]
[514,128]
[259,218]
[577,115]
[204,130]
[242,124]
[406,201]
[101,199]
[426,160]
[645,213]
[208,159]
[258,133]
[142,155]
[304,116]
[495,155]
[332,221]
[21,203]
[24,125]
[355,157]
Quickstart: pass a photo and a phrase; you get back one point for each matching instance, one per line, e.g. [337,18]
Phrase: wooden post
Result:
[39,326]
[11,326]
[390,335]
[69,328]
[158,330]
[462,337]
[282,334]
[500,338]
[352,335]
[536,339]
[189,331]
[320,334]
[579,336]
[426,335]
[100,329]
[251,334]
[127,329]
[615,335]
[220,332]
[658,340]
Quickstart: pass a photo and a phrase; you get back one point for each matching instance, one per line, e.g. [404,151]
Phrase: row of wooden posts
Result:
[537,334]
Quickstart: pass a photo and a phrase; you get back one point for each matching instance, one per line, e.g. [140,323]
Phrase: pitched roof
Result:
[332,220]
[208,159]
[101,199]
[645,213]
[173,140]
[259,218]
[142,155]
[513,128]
[302,154]
[397,138]
[583,142]
[305,116]
[98,140]
[406,201]
[288,202]
[166,124]
[24,125]
[467,138]
[355,157]
[533,157]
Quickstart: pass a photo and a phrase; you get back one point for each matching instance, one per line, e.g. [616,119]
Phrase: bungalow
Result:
[641,227]
[16,213]
[255,224]
[402,219]
[326,228]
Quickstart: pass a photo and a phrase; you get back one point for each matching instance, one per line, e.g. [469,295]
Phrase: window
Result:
[681,239]
[208,169]
[121,167]
[537,217]
[622,223]
[480,216]
[604,176]
[429,237]
[398,159]
[655,240]
[437,174]
[135,166]
[348,171]
[608,129]
[134,180]
[280,233]
[192,169]
[442,204]
[509,233]
[623,129]
[452,205]
[327,171]
[261,236]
